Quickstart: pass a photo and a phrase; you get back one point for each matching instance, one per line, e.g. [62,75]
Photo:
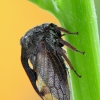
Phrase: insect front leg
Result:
[66,31]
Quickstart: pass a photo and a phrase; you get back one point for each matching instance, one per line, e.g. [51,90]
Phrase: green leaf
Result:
[79,16]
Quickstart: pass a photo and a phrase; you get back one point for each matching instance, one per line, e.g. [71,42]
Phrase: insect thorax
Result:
[45,32]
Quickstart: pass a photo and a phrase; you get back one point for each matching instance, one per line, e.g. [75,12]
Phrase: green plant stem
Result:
[79,16]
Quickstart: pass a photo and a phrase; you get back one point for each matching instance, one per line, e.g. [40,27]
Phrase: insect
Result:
[42,45]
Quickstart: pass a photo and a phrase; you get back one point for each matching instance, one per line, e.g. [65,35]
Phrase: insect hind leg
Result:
[59,50]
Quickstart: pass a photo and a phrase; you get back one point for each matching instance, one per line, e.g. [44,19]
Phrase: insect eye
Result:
[52,25]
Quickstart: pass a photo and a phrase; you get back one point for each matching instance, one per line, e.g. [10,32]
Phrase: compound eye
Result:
[55,29]
[52,25]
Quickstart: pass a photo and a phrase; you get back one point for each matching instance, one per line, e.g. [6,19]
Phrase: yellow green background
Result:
[16,17]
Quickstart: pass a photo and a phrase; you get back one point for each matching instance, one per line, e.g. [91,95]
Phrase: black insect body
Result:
[42,45]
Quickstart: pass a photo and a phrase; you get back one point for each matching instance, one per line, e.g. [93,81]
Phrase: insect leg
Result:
[30,73]
[59,50]
[69,45]
[66,31]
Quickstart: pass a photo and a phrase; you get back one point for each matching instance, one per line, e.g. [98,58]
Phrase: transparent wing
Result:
[51,74]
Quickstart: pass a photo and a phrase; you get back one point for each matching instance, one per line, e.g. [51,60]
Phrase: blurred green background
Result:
[97,6]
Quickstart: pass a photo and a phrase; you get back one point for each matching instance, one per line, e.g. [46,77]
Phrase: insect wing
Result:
[51,74]
[30,73]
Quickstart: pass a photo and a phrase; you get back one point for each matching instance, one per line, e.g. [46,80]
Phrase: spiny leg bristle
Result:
[80,52]
[77,74]
[76,33]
